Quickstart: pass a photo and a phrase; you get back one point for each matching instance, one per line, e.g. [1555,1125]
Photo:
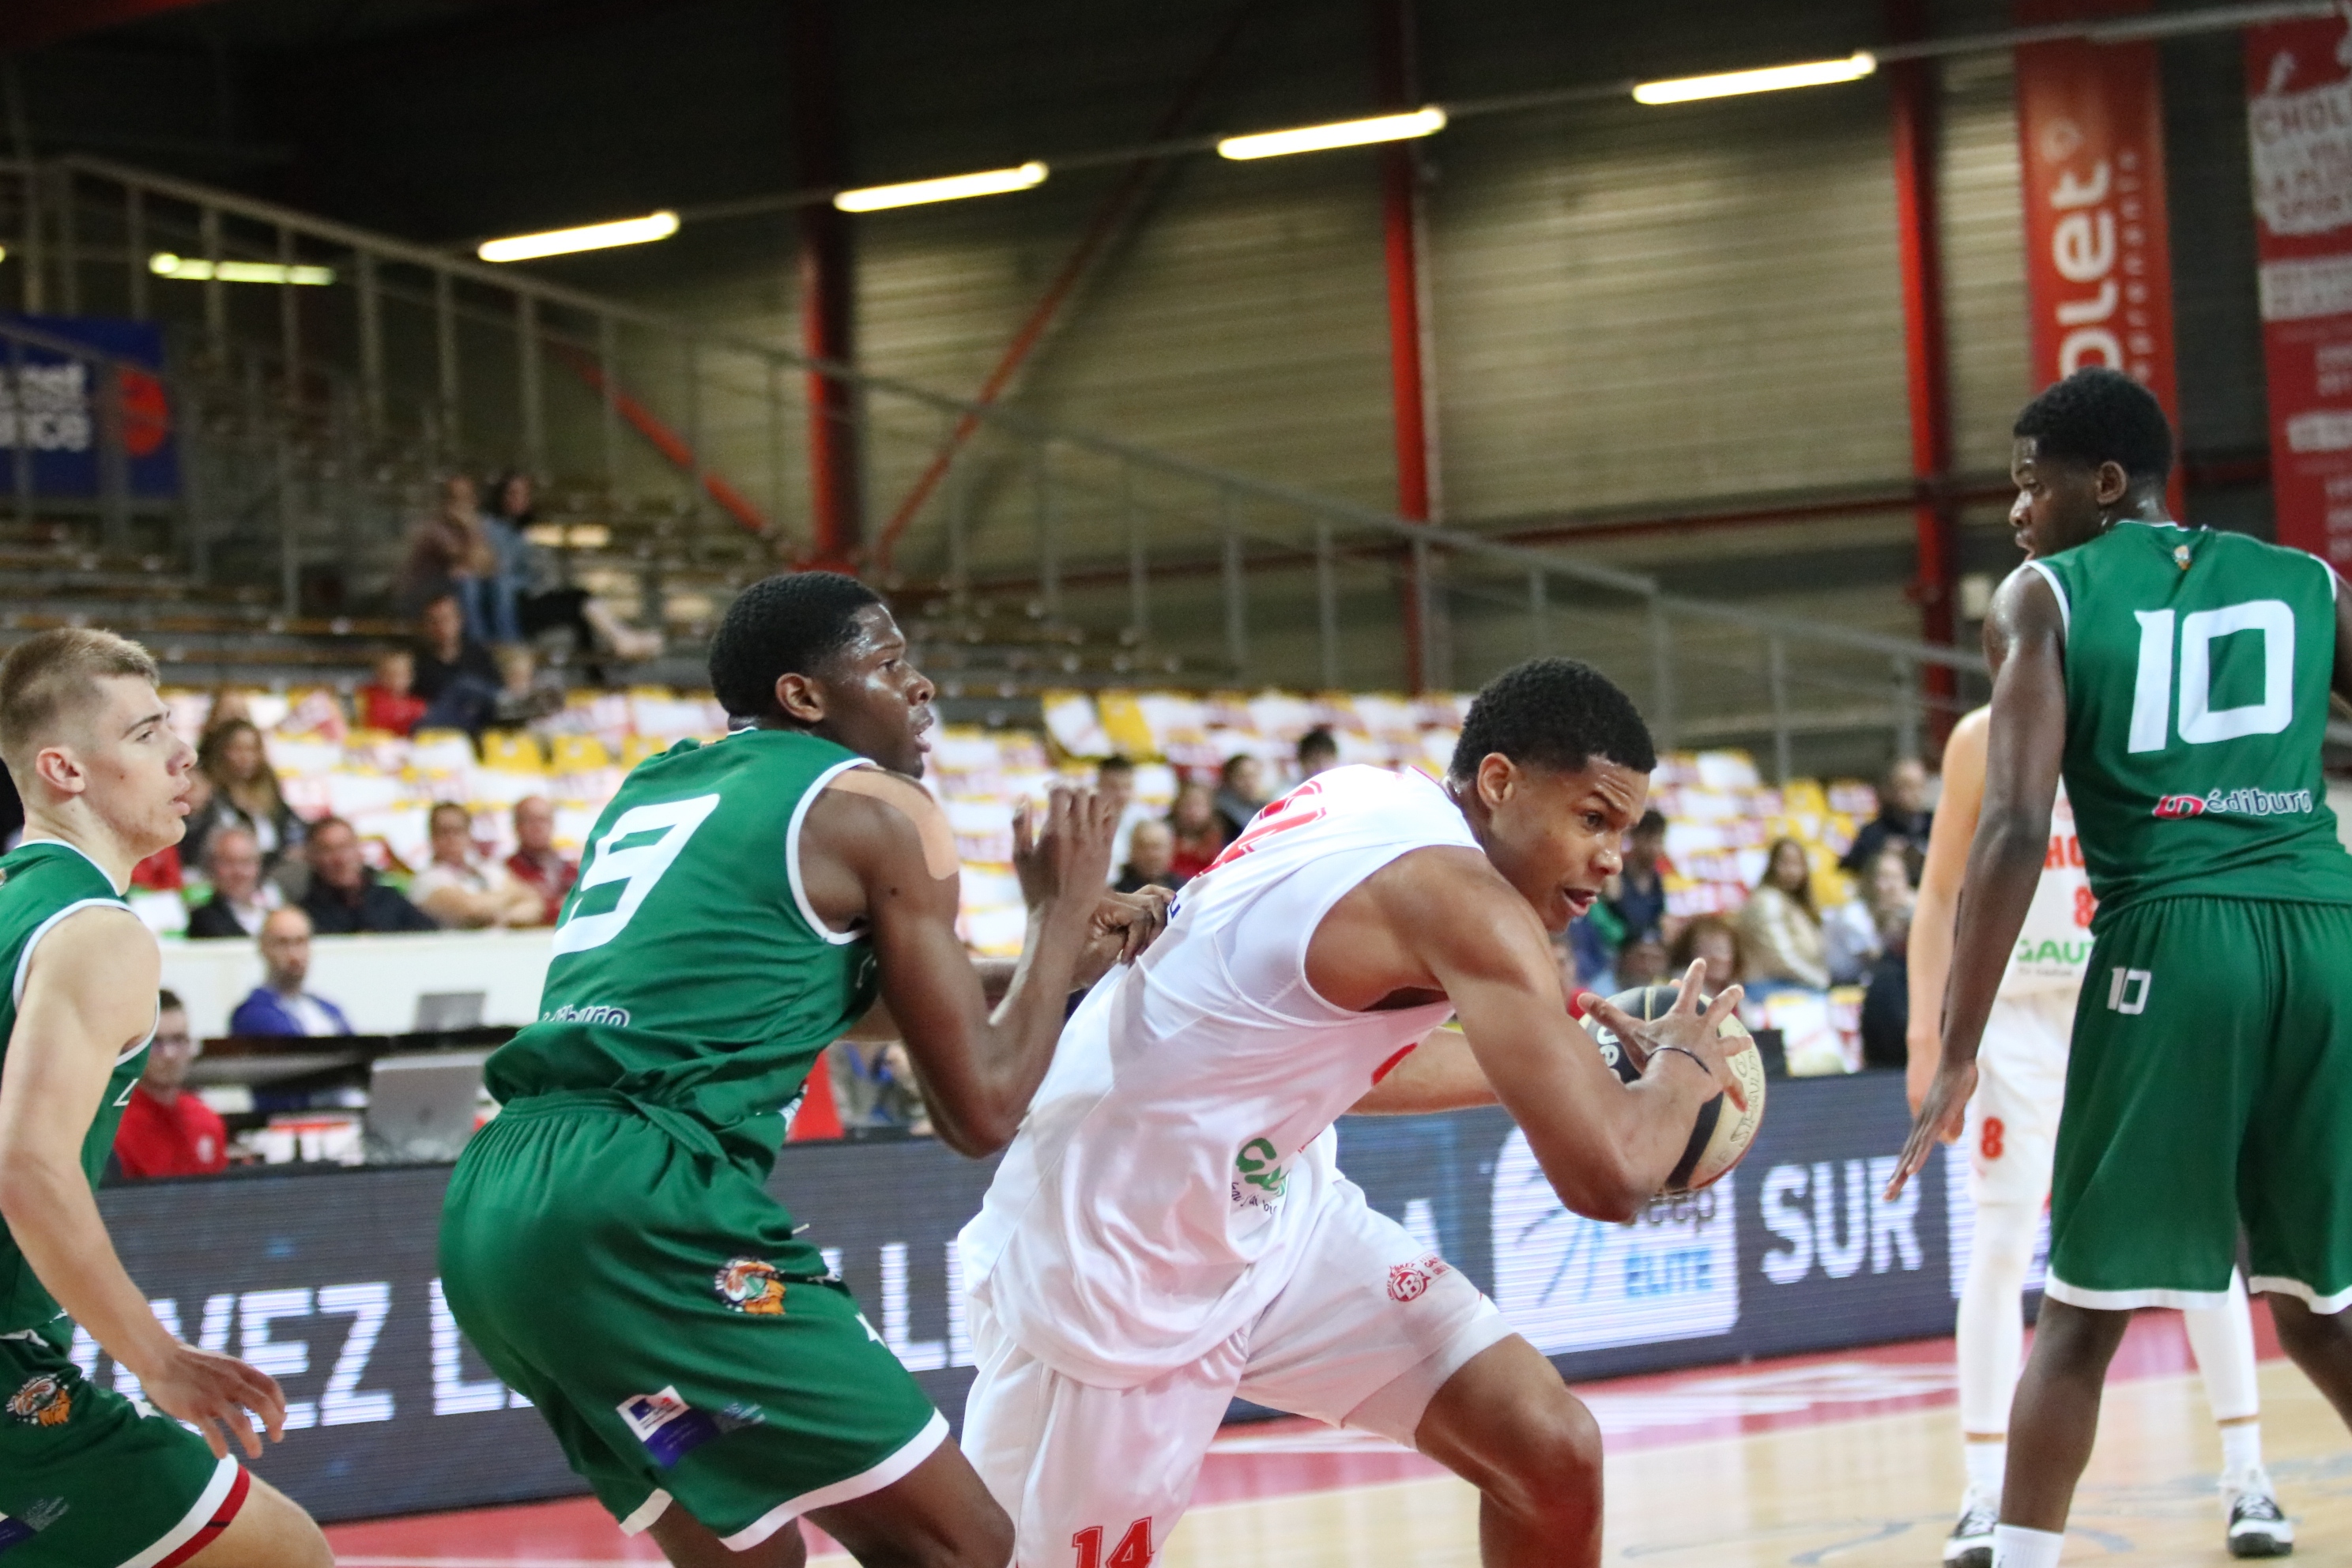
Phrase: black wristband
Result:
[1686,1051]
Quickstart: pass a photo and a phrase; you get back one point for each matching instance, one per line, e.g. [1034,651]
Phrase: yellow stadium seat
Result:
[637,748]
[578,754]
[513,751]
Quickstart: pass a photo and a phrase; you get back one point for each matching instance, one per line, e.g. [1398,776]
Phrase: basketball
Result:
[1720,1136]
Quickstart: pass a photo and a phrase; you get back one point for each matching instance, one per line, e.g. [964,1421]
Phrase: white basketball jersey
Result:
[2054,948]
[1173,1159]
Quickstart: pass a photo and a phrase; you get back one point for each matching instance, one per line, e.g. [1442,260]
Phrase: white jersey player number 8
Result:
[638,866]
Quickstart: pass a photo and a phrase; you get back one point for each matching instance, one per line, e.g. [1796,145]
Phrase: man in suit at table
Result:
[279,1005]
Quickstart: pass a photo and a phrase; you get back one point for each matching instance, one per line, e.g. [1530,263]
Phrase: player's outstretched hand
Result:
[1066,862]
[1686,1028]
[1942,1116]
[212,1392]
[1124,925]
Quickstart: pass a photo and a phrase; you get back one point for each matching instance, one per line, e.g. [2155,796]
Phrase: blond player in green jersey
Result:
[2179,679]
[89,1479]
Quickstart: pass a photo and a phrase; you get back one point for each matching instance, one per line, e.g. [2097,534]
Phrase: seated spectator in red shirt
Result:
[166,1130]
[536,864]
[390,700]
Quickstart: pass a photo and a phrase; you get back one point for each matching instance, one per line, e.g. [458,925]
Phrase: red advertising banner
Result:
[2098,258]
[2299,112]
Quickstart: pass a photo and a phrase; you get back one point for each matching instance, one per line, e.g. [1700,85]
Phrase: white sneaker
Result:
[2258,1526]
[1970,1543]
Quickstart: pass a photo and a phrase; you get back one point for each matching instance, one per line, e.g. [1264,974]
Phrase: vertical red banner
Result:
[2299,112]
[2098,257]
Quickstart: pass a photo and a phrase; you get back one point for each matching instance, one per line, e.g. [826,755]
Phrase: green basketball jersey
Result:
[2197,668]
[40,884]
[690,975]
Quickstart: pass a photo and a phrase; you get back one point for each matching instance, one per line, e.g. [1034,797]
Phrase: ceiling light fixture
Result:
[1770,78]
[949,188]
[587,237]
[1340,133]
[196,269]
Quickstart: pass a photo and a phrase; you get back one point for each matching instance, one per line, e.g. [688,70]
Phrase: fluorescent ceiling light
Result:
[587,237]
[1340,133]
[1771,78]
[196,269]
[953,188]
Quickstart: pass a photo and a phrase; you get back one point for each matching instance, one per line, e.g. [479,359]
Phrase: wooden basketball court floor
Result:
[1843,1459]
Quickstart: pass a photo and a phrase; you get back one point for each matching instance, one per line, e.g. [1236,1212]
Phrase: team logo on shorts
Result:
[750,1286]
[1410,1281]
[42,1402]
[666,1424]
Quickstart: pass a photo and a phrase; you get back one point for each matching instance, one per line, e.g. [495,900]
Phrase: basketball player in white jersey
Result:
[1169,1228]
[2012,1132]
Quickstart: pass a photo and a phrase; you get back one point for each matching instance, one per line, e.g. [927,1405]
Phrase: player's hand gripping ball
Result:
[1720,1137]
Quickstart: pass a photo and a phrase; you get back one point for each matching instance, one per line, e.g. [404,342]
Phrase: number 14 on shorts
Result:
[1133,1550]
[2127,991]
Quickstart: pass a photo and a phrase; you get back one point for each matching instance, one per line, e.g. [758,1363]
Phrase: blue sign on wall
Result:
[50,406]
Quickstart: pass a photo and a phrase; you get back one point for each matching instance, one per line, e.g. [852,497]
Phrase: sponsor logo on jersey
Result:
[1259,1177]
[1410,1281]
[750,1286]
[666,1424]
[17,1530]
[618,1017]
[43,1401]
[2236,803]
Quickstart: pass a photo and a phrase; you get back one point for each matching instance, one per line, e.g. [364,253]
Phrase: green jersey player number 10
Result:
[2201,724]
[643,843]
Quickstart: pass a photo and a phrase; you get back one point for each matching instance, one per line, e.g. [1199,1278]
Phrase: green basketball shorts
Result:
[652,1302]
[91,1480]
[2209,1086]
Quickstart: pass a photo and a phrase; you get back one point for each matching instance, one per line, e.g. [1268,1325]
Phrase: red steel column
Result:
[1401,228]
[827,294]
[1935,519]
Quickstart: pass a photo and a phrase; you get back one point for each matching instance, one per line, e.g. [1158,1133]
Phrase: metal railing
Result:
[316,414]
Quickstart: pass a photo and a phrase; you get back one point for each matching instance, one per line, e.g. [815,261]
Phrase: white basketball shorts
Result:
[2012,1127]
[1371,1326]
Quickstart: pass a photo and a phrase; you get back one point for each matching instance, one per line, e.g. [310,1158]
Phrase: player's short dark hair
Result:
[2101,415]
[1553,713]
[786,625]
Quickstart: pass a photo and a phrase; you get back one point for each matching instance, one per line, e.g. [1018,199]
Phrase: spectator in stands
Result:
[1115,777]
[279,1005]
[167,1130]
[449,553]
[1150,858]
[874,1085]
[1199,834]
[390,700]
[536,863]
[344,894]
[1903,818]
[544,601]
[241,900]
[1637,895]
[1642,961]
[455,672]
[1780,929]
[1890,893]
[1713,940]
[459,891]
[1317,752]
[245,792]
[523,697]
[1241,790]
